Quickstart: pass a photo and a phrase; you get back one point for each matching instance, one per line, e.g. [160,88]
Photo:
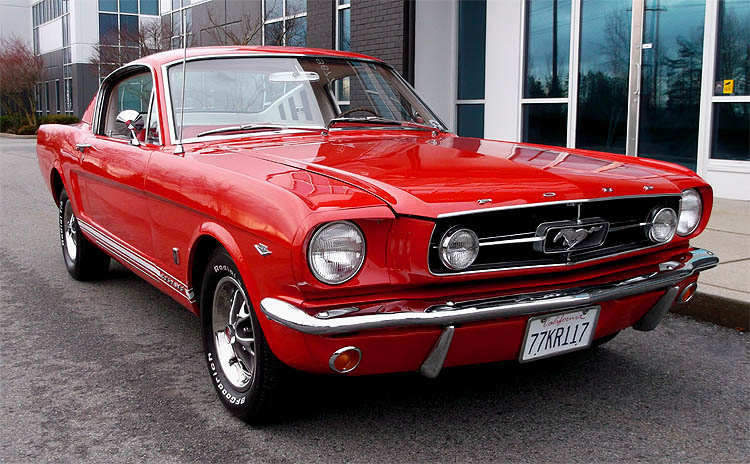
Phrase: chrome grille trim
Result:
[623,222]
[550,203]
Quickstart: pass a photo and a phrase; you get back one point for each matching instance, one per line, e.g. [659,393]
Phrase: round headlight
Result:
[459,248]
[663,225]
[691,209]
[336,252]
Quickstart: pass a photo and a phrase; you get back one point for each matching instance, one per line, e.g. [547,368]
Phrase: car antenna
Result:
[180,149]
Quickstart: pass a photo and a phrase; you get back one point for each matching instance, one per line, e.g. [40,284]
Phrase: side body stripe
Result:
[131,256]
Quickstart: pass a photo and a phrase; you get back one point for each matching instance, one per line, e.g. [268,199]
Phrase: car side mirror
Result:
[129,118]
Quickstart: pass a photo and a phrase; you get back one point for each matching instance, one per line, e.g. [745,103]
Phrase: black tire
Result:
[605,339]
[83,259]
[248,387]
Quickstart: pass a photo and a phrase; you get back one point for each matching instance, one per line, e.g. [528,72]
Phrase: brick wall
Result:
[320,24]
[378,30]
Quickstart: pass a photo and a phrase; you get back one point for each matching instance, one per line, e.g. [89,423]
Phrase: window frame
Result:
[282,19]
[103,95]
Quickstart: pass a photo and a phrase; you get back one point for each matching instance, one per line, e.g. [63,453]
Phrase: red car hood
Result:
[422,176]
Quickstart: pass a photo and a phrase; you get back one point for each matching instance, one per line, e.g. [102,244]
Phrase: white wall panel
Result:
[435,49]
[503,70]
[50,36]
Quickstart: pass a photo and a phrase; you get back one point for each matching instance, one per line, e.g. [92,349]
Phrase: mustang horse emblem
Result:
[572,237]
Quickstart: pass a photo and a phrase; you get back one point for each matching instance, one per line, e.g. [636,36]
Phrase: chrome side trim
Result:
[433,364]
[137,260]
[668,274]
[549,203]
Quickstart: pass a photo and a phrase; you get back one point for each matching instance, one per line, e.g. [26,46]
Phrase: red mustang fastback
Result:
[315,213]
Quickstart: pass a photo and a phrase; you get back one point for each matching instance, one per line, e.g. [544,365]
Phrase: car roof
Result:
[159,59]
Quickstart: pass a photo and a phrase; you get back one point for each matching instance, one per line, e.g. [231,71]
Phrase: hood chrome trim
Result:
[549,203]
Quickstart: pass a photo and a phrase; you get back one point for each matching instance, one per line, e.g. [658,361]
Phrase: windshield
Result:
[289,92]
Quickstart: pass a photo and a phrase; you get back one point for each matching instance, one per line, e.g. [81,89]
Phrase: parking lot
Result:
[112,371]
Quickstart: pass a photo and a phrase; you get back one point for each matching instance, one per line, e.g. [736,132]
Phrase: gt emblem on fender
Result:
[572,237]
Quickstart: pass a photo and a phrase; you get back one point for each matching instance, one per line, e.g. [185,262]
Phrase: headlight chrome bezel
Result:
[444,241]
[310,250]
[699,215]
[654,216]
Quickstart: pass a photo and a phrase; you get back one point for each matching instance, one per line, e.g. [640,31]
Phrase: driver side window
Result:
[131,93]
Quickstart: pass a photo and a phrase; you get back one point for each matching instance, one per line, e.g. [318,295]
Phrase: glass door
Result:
[665,80]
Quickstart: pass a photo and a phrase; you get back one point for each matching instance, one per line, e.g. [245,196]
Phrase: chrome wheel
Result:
[233,333]
[70,232]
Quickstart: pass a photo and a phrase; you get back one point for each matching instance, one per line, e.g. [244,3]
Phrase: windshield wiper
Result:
[242,128]
[378,121]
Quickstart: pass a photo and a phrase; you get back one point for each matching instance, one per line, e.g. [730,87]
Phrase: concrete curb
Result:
[718,310]
[14,136]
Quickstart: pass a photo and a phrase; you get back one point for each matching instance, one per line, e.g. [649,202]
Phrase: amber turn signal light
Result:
[345,359]
[688,292]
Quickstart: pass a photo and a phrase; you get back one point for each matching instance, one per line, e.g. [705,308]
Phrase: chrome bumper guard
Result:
[670,273]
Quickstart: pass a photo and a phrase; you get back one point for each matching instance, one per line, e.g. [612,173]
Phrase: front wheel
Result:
[83,259]
[243,370]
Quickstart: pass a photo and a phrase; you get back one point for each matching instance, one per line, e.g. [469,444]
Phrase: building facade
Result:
[664,79]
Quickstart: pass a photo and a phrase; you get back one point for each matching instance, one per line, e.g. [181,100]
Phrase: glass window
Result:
[129,6]
[177,23]
[670,86]
[153,135]
[274,33]
[546,123]
[57,96]
[188,22]
[297,32]
[108,5]
[226,92]
[603,75]
[731,131]
[274,9]
[547,48]
[68,95]
[150,7]
[733,48]
[108,30]
[132,93]
[46,97]
[470,120]
[176,4]
[65,31]
[129,29]
[471,49]
[295,7]
[344,29]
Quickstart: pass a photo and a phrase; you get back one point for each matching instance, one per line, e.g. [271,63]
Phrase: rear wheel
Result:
[243,370]
[83,259]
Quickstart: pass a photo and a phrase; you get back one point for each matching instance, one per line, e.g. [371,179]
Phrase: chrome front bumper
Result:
[670,273]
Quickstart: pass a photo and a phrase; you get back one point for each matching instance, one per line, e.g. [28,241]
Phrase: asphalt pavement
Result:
[112,371]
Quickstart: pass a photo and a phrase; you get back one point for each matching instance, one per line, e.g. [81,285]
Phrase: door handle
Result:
[82,147]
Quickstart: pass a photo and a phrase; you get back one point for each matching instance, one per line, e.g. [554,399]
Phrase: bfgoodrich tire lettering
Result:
[83,259]
[243,370]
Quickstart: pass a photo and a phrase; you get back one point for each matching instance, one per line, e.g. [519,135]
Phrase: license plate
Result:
[558,333]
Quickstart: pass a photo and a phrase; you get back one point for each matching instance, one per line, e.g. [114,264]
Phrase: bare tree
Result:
[118,49]
[20,70]
[248,28]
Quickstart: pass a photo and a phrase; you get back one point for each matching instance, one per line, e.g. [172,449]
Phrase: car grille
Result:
[524,237]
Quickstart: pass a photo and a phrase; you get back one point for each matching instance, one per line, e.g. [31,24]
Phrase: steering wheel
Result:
[354,110]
